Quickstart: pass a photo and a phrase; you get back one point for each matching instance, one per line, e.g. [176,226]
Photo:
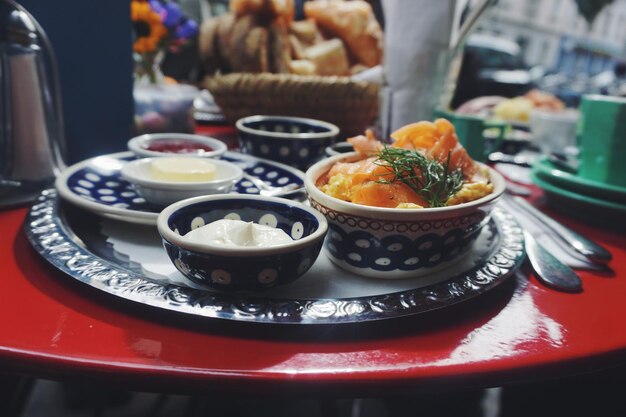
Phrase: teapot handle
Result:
[469,23]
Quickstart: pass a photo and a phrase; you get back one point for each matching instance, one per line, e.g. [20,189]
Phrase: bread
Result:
[302,67]
[306,31]
[225,26]
[260,35]
[329,57]
[296,47]
[207,45]
[248,49]
[279,47]
[354,23]
[264,9]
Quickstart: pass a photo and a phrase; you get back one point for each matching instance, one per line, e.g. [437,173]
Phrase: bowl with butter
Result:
[165,180]
[176,144]
[241,242]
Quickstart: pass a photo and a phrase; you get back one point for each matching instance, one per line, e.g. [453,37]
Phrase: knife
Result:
[549,270]
[589,249]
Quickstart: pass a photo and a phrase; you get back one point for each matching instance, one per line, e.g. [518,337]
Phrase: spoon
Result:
[269,190]
[549,270]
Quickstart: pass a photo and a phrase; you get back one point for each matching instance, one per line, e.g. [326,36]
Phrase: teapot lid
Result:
[16,25]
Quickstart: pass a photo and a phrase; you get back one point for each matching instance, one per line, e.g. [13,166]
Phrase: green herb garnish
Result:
[429,178]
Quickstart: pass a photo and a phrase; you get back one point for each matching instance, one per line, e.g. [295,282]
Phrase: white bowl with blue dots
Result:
[162,193]
[228,268]
[295,141]
[396,243]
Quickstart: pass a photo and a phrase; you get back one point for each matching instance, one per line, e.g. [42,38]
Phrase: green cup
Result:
[471,133]
[602,139]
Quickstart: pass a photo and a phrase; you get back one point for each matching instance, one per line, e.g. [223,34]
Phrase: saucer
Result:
[576,203]
[97,185]
[545,169]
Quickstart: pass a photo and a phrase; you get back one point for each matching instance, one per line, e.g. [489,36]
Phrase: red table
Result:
[55,327]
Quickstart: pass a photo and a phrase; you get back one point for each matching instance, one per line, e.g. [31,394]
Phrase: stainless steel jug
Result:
[31,120]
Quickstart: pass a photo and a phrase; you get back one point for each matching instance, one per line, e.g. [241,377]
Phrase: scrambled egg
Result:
[470,192]
[339,186]
[409,206]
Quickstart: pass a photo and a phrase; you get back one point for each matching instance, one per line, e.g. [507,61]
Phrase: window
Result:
[492,58]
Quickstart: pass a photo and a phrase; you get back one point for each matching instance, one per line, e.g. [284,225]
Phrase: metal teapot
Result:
[31,120]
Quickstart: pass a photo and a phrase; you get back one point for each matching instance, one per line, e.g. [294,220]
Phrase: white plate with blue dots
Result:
[97,185]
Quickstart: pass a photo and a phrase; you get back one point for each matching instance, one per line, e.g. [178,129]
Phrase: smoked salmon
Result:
[426,152]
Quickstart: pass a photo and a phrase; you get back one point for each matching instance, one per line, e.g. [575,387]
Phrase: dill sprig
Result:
[429,178]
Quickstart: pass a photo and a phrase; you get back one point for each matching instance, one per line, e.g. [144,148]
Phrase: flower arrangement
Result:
[159,26]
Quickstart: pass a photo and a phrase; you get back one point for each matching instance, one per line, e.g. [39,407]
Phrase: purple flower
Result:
[157,6]
[173,14]
[187,30]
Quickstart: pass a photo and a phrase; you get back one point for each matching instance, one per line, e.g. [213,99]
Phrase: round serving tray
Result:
[52,236]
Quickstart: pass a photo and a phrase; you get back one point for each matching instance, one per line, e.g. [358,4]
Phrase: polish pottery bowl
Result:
[176,144]
[241,268]
[397,243]
[295,141]
[162,192]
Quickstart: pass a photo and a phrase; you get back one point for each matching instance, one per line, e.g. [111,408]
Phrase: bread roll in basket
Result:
[265,62]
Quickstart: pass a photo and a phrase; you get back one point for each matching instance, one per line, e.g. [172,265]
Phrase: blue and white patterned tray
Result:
[97,185]
[73,242]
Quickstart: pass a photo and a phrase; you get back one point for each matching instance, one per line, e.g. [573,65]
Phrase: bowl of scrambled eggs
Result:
[404,209]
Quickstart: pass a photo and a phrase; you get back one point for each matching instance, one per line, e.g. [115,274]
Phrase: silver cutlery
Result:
[10,183]
[503,158]
[548,269]
[583,246]
[270,190]
[516,189]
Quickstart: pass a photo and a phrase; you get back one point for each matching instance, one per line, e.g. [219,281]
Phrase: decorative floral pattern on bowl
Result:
[368,247]
[242,268]
[295,141]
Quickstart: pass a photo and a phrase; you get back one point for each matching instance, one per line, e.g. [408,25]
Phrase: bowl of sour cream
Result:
[241,242]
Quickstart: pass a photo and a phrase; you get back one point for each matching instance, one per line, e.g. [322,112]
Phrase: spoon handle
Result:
[587,248]
[549,270]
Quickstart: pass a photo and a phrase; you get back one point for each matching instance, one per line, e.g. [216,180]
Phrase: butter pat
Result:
[182,169]
[237,233]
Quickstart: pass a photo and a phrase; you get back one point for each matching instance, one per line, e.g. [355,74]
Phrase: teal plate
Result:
[580,205]
[546,170]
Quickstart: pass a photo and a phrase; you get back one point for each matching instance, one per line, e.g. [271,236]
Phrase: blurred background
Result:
[565,47]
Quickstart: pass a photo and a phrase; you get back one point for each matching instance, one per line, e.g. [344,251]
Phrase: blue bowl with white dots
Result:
[396,243]
[229,268]
[295,141]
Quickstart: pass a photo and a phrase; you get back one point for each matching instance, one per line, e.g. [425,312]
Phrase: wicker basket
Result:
[351,105]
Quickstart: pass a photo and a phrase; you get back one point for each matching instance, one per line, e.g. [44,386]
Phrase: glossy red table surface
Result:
[53,326]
